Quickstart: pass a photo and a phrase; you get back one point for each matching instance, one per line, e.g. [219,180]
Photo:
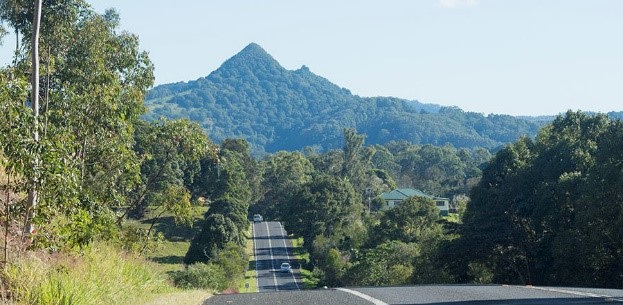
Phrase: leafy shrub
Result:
[76,230]
[217,231]
[135,239]
[203,276]
[233,260]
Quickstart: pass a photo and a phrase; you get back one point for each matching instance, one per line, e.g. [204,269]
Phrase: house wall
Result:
[443,206]
[393,203]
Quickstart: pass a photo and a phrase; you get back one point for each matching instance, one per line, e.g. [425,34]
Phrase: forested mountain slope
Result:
[253,97]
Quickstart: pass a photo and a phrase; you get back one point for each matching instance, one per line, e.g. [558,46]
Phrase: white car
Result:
[285,267]
[258,218]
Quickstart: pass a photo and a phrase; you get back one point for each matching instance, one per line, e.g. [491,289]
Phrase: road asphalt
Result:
[430,295]
[272,246]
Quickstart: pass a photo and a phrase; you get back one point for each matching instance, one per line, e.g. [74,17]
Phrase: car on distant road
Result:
[258,218]
[285,267]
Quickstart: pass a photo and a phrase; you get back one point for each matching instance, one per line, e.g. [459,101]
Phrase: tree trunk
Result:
[6,221]
[16,48]
[33,195]
[47,92]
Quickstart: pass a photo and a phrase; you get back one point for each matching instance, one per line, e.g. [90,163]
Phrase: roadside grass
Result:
[302,257]
[309,280]
[100,274]
[169,253]
[185,297]
[250,277]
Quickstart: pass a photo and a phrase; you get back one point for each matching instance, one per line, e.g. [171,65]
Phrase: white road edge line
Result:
[363,296]
[580,293]
[257,276]
[272,258]
[285,246]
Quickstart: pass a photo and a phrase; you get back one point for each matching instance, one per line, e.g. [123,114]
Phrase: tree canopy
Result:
[545,210]
[93,80]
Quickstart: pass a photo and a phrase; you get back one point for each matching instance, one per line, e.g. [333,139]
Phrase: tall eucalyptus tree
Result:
[94,80]
[33,194]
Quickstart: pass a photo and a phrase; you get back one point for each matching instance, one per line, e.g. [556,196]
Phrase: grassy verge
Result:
[100,274]
[104,274]
[309,280]
[169,254]
[186,297]
[250,277]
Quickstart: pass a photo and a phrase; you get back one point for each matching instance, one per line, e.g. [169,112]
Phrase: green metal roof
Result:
[402,194]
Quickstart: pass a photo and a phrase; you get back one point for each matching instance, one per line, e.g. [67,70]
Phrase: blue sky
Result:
[528,57]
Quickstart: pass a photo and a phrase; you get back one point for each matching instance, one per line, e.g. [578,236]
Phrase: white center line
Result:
[363,296]
[285,246]
[272,259]
[573,292]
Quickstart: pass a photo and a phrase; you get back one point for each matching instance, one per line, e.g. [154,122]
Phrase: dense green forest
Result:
[546,209]
[252,96]
[320,197]
[545,212]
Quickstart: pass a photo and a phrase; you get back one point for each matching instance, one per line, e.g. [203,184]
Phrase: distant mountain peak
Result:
[250,59]
[254,48]
[253,52]
[304,69]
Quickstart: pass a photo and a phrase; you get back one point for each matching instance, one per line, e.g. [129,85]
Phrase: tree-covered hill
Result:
[252,96]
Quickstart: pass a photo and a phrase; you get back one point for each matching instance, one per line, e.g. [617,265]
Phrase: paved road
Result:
[273,247]
[430,295]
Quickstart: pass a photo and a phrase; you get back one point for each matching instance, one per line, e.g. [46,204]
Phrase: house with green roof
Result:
[396,196]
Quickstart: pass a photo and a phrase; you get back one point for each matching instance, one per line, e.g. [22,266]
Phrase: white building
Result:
[396,196]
